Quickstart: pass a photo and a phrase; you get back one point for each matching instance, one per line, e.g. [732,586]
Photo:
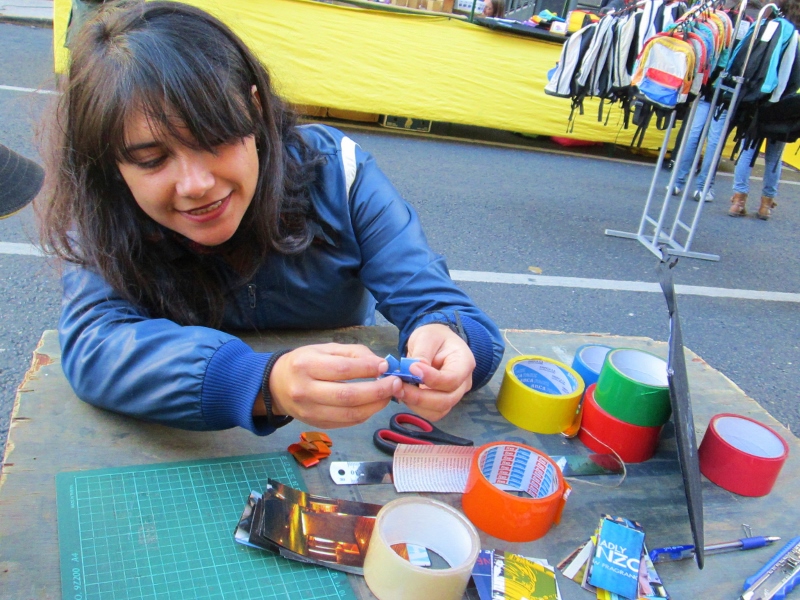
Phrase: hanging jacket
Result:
[371,252]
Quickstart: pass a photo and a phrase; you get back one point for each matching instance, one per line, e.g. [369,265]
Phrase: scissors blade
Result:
[361,473]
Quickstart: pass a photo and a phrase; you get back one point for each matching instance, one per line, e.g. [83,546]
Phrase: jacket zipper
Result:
[251,293]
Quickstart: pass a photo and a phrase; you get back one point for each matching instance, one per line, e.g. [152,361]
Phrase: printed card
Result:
[517,577]
[482,574]
[615,566]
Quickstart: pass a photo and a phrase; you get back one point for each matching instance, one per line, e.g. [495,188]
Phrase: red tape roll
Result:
[742,455]
[601,432]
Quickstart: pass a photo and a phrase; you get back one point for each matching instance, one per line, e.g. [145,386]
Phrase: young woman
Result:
[188,204]
[494,8]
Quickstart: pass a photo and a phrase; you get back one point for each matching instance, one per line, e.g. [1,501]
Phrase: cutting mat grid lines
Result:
[166,532]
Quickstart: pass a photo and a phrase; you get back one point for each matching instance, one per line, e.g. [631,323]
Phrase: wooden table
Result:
[53,431]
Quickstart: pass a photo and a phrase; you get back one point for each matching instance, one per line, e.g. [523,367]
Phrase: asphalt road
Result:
[499,210]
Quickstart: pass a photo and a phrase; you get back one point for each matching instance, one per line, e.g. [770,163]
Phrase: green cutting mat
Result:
[166,532]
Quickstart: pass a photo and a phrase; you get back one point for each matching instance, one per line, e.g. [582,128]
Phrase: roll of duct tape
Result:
[539,394]
[601,432]
[430,524]
[588,361]
[742,455]
[633,387]
[499,468]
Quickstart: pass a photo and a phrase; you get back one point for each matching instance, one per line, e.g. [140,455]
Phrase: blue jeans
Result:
[772,170]
[714,134]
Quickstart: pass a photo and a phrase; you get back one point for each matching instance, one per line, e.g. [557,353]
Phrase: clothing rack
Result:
[667,237]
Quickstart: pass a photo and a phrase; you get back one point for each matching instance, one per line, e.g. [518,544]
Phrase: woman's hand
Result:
[446,365]
[314,385]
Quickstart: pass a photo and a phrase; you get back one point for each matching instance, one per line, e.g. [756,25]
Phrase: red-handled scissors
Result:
[405,428]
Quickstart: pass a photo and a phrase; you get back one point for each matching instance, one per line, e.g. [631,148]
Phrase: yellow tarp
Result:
[791,156]
[414,65]
[423,66]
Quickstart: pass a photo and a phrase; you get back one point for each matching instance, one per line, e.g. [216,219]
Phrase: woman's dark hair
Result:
[791,10]
[498,8]
[182,68]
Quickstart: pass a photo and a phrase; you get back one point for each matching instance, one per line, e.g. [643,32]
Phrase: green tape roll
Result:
[633,387]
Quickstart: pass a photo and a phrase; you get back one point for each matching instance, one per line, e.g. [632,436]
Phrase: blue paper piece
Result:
[615,566]
[482,574]
[399,368]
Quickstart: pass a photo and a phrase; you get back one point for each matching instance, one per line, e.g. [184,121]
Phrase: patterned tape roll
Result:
[422,522]
[741,455]
[633,387]
[601,432]
[502,467]
[539,394]
[588,361]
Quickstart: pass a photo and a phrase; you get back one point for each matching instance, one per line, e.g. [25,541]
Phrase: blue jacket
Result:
[372,254]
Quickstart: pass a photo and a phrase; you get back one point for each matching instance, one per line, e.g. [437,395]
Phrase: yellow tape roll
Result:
[539,394]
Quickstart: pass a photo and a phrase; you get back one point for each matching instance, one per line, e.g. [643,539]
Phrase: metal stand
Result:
[666,238]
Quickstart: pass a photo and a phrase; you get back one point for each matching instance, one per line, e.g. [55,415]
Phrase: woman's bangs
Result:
[196,97]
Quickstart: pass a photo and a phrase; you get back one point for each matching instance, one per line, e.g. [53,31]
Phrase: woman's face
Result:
[488,9]
[201,195]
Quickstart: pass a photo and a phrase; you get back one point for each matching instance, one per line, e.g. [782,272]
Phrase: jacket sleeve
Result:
[117,358]
[410,282]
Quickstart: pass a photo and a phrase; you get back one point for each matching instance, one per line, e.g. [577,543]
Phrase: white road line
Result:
[23,249]
[620,286]
[548,281]
[11,88]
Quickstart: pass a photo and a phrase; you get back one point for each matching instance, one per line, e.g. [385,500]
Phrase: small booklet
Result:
[618,552]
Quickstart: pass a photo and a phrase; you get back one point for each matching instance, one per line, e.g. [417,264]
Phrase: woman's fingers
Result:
[432,404]
[316,384]
[336,362]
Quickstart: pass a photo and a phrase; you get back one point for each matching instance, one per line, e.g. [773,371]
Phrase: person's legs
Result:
[741,175]
[741,183]
[713,139]
[772,175]
[691,142]
[772,168]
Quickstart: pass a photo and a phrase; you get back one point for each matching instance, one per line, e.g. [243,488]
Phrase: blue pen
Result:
[671,553]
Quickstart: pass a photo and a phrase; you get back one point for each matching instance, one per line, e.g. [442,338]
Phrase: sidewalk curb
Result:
[29,21]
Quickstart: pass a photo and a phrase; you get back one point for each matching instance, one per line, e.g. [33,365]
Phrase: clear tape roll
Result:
[433,525]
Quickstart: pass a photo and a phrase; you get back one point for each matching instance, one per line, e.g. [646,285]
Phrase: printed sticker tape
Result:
[539,394]
[742,455]
[633,387]
[426,523]
[601,432]
[498,471]
[588,361]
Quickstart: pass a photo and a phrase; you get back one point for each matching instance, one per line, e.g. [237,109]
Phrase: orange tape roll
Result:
[501,467]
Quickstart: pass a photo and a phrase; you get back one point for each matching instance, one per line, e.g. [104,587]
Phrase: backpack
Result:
[779,121]
[664,71]
[562,79]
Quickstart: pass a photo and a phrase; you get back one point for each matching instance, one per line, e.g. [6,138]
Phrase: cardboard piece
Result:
[682,413]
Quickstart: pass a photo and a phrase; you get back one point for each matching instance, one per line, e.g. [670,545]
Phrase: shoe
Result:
[709,195]
[765,210]
[737,205]
[676,191]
